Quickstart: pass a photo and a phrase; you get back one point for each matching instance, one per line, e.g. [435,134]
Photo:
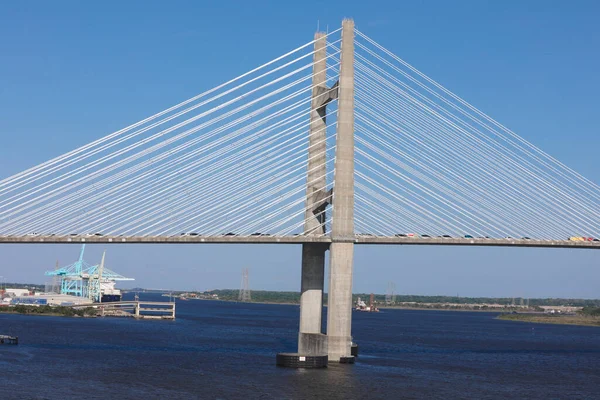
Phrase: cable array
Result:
[427,162]
[229,161]
[233,161]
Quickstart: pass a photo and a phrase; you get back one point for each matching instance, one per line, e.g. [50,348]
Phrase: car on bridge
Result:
[468,236]
[576,239]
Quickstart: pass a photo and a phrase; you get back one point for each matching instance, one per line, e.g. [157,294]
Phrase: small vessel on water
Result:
[4,339]
[362,306]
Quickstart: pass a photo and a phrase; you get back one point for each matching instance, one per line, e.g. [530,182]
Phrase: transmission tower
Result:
[245,288]
[54,285]
[390,295]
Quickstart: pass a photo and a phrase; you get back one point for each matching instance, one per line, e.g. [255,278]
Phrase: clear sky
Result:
[74,71]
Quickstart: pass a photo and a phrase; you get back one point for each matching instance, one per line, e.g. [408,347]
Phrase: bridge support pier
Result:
[311,340]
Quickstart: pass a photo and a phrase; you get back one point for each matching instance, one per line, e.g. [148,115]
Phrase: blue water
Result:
[219,350]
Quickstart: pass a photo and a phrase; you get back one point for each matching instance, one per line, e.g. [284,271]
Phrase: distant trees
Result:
[294,298]
[260,296]
[592,311]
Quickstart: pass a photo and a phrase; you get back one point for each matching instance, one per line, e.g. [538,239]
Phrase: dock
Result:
[135,309]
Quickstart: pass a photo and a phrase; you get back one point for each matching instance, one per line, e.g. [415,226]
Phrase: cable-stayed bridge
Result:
[335,143]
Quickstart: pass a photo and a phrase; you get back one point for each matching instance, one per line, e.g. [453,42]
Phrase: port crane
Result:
[84,280]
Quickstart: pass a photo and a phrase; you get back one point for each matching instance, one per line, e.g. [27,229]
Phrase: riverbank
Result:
[51,311]
[381,307]
[441,308]
[501,304]
[584,320]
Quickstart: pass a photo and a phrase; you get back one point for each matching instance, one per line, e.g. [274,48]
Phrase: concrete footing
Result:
[295,360]
[311,292]
[338,347]
[312,344]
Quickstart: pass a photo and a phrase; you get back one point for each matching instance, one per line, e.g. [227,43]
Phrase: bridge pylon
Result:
[311,340]
[339,312]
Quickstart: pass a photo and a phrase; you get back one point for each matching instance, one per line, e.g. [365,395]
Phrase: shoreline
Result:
[45,314]
[381,307]
[575,320]
[503,314]
[441,309]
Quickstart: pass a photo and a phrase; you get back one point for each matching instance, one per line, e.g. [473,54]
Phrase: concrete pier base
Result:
[339,313]
[311,290]
[354,350]
[311,341]
[295,360]
[312,344]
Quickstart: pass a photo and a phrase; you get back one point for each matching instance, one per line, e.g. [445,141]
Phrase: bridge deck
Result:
[300,239]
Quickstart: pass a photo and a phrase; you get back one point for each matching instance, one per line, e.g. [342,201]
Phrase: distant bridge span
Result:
[302,239]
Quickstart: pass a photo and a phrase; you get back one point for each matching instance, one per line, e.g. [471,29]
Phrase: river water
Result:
[220,350]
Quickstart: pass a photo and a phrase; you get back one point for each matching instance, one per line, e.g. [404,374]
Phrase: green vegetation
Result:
[31,286]
[577,319]
[265,296]
[418,301]
[591,311]
[380,298]
[50,310]
[260,296]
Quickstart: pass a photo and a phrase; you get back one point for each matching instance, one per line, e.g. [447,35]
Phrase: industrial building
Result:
[50,299]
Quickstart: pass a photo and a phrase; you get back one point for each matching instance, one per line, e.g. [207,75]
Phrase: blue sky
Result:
[74,71]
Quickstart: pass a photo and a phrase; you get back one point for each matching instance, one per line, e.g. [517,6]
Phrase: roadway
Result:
[300,239]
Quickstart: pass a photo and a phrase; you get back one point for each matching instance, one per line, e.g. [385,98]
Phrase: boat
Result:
[4,339]
[108,292]
[362,306]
